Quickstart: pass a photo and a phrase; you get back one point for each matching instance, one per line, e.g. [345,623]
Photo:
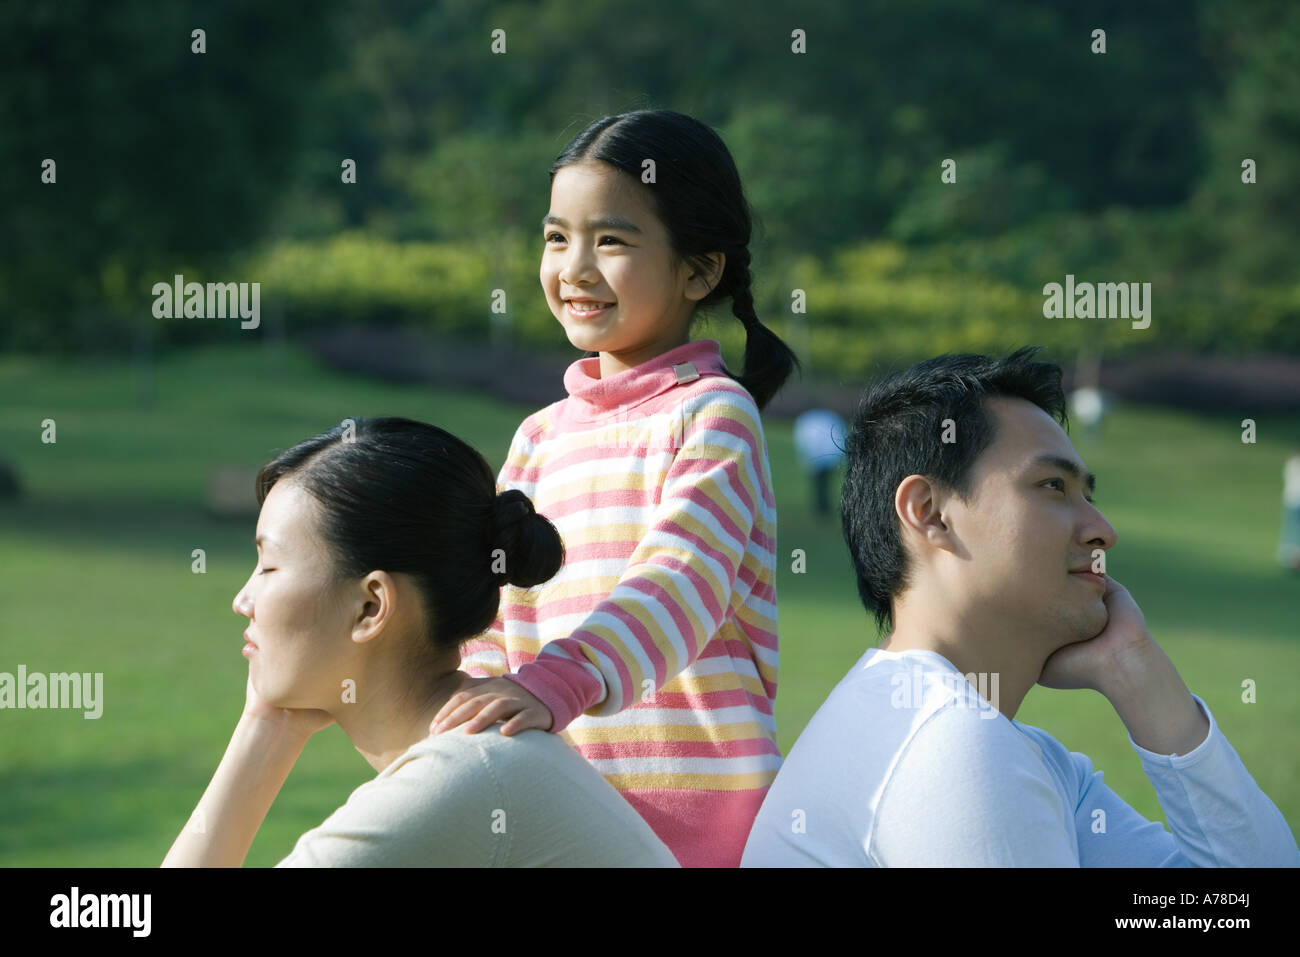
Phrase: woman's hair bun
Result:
[509,507]
[532,546]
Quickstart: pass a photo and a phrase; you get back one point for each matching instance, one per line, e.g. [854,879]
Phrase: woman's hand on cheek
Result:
[294,722]
[489,700]
[263,749]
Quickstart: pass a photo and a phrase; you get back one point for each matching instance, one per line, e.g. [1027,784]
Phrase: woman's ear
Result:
[375,606]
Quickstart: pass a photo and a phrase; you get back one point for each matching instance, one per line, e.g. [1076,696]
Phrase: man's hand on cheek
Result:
[1102,661]
[1126,665]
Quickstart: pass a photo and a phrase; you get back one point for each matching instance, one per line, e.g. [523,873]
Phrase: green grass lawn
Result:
[96,572]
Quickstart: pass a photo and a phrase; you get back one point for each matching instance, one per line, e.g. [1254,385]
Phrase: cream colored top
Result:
[484,800]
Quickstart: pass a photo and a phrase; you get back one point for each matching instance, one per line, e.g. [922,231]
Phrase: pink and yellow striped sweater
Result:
[655,646]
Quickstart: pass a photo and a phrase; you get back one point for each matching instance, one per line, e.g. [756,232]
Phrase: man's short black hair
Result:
[898,431]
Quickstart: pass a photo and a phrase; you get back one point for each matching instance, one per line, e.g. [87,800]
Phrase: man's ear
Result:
[918,503]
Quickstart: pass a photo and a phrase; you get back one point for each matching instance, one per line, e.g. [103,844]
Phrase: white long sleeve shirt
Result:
[904,766]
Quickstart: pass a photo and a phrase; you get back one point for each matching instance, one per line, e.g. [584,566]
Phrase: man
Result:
[979,551]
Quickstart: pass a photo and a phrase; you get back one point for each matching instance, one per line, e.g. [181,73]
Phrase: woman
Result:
[382,547]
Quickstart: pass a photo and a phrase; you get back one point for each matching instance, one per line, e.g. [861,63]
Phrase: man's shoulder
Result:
[891,714]
[898,710]
[902,740]
[905,690]
[1071,769]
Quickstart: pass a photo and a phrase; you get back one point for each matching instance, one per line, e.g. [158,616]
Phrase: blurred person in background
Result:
[819,443]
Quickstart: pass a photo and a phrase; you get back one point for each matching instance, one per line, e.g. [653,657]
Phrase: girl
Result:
[654,650]
[376,550]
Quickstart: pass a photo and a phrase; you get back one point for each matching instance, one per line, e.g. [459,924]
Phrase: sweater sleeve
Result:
[684,576]
[1217,814]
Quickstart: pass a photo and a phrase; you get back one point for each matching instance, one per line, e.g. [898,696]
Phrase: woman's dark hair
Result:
[898,431]
[403,496]
[698,197]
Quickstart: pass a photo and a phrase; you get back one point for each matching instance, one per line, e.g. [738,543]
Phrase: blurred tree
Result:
[1126,164]
[166,159]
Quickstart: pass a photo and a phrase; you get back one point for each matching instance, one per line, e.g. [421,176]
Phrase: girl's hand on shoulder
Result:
[294,722]
[488,700]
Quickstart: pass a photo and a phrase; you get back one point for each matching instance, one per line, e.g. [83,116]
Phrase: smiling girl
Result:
[654,650]
[376,554]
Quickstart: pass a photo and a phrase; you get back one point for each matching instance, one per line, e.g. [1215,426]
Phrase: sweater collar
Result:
[591,397]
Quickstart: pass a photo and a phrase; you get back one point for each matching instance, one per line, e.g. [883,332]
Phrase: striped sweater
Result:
[655,646]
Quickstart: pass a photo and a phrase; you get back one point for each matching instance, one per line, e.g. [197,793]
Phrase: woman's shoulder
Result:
[528,760]
[484,800]
[537,787]
[488,748]
[430,807]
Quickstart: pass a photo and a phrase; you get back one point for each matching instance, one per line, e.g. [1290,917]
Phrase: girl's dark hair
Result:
[404,496]
[699,199]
